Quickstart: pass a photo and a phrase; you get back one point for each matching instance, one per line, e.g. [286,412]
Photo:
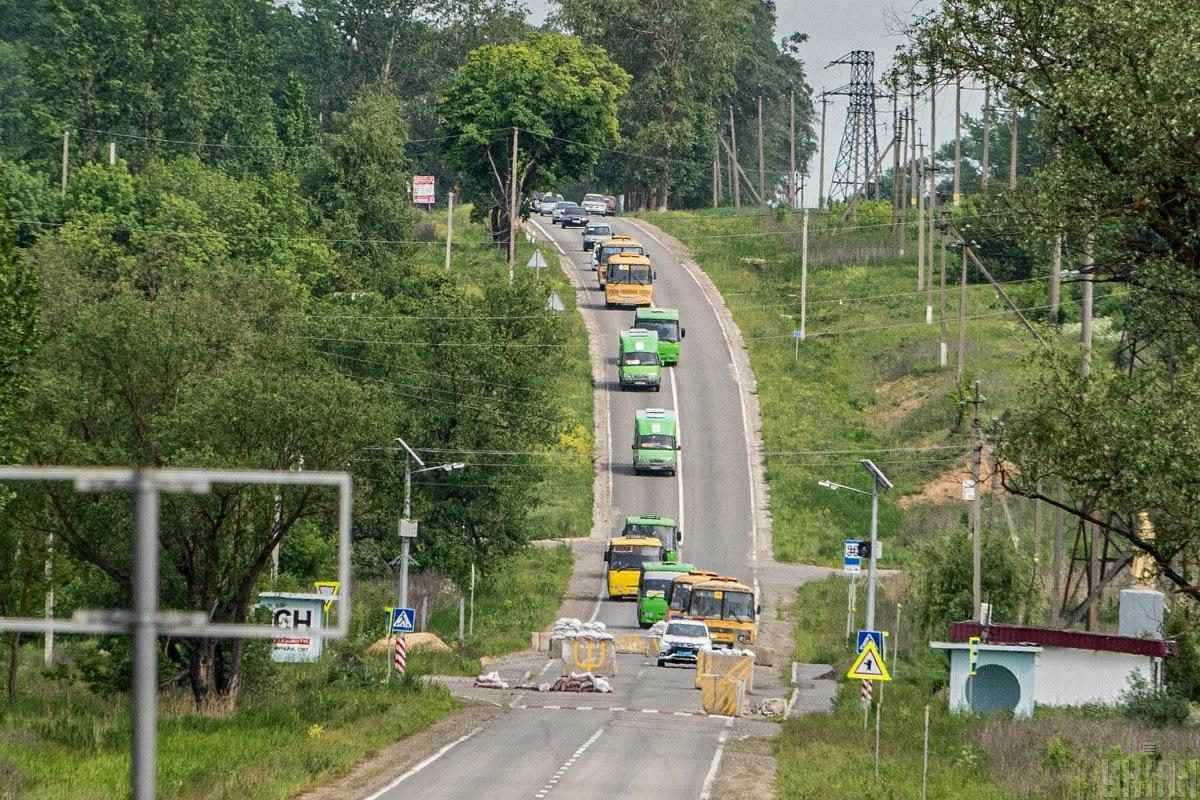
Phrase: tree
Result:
[560,93]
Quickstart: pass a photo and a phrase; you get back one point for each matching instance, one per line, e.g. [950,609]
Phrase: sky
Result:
[834,28]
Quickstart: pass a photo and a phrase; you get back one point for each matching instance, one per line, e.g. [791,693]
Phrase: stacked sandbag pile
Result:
[566,628]
[491,681]
[581,682]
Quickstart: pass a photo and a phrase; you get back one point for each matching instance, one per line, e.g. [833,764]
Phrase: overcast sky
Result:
[834,28]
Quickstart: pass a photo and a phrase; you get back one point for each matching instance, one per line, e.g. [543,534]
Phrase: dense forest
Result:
[208,257]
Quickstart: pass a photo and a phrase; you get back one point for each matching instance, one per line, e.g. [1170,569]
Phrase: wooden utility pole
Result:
[956,197]
[792,177]
[66,157]
[729,160]
[962,316]
[762,173]
[449,224]
[716,177]
[512,208]
[976,507]
[112,154]
[985,165]
[825,101]
[942,314]
[1012,147]
[897,178]
[1085,327]
[733,177]
[1056,281]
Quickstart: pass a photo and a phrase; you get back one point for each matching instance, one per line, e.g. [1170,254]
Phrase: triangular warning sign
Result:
[328,589]
[869,665]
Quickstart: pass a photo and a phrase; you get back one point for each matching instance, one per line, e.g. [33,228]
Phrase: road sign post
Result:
[537,262]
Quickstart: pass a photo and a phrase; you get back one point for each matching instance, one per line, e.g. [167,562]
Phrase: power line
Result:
[229,146]
[558,345]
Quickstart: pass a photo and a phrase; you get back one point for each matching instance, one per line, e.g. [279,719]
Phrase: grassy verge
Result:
[59,741]
[866,382]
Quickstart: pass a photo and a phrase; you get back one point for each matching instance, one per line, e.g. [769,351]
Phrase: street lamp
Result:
[408,528]
[878,481]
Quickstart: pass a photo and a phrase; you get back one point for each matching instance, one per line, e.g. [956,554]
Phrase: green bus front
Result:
[638,365]
[664,322]
[654,584]
[662,528]
[655,445]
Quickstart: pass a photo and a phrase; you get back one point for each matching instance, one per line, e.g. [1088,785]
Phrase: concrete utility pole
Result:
[762,174]
[512,209]
[716,177]
[962,316]
[897,177]
[66,158]
[985,166]
[112,154]
[976,507]
[792,178]
[825,101]
[737,186]
[1056,282]
[48,605]
[924,281]
[1012,155]
[804,276]
[449,224]
[408,529]
[933,203]
[942,314]
[1088,263]
[957,195]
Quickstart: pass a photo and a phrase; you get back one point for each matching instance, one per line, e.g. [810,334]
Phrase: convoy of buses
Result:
[643,562]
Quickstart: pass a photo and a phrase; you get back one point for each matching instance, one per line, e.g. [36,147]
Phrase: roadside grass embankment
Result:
[866,382]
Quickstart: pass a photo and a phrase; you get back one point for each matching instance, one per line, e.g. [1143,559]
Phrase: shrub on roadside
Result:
[1153,705]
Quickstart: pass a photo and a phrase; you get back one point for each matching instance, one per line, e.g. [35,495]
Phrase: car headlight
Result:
[743,637]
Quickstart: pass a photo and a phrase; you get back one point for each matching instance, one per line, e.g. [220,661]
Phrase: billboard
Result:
[423,190]
[295,615]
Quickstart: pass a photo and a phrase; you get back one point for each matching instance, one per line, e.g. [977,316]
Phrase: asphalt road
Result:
[644,739]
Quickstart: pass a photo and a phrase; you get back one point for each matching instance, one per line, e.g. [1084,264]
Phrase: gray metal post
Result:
[471,626]
[404,539]
[874,554]
[804,278]
[145,657]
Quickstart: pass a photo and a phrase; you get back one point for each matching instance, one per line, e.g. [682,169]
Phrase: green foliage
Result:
[1182,673]
[944,585]
[1154,705]
[562,93]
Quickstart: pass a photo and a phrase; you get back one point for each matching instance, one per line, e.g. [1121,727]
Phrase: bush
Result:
[944,587]
[425,231]
[1153,705]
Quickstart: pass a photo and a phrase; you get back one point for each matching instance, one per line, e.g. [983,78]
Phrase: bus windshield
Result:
[612,250]
[629,557]
[664,533]
[656,441]
[667,330]
[638,274]
[657,584]
[739,606]
[636,358]
[681,595]
[705,603]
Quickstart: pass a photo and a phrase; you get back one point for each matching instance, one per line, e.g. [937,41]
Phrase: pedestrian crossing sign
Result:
[869,665]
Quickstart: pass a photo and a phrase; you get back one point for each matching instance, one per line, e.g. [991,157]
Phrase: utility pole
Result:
[1056,281]
[962,315]
[732,171]
[825,101]
[449,224]
[762,174]
[1085,328]
[48,606]
[1012,155]
[985,166]
[737,187]
[933,204]
[924,281]
[897,178]
[792,178]
[976,506]
[942,314]
[957,195]
[112,154]
[716,178]
[66,157]
[512,214]
[804,277]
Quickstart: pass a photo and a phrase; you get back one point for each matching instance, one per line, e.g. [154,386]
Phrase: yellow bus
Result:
[629,281]
[609,248]
[625,556]
[681,591]
[728,607]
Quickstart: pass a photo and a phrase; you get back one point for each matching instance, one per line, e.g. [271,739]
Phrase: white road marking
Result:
[423,764]
[741,398]
[549,662]
[715,766]
[553,241]
[550,784]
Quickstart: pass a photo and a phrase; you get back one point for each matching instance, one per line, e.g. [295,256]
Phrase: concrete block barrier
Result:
[585,654]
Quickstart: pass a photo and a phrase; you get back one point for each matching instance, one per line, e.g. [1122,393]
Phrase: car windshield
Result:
[656,584]
[739,606]
[590,197]
[629,557]
[690,629]
[599,230]
[638,274]
[634,358]
[705,603]
[667,330]
[656,441]
[573,209]
[681,595]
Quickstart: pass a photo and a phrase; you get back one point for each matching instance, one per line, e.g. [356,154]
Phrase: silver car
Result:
[546,204]
[595,203]
[595,233]
[556,210]
[682,640]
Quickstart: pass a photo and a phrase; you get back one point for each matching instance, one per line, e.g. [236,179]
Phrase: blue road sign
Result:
[875,636]
[403,620]
[851,560]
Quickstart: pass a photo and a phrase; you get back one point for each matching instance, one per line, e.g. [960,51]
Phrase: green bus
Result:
[664,322]
[655,441]
[662,528]
[638,364]
[654,584]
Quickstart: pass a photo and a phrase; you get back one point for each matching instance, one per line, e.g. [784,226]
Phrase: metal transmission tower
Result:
[857,157]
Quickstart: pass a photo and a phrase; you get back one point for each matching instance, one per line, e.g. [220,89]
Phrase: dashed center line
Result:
[570,762]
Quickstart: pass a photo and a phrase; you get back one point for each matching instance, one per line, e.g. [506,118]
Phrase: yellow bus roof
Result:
[634,541]
[695,576]
[628,259]
[724,583]
[620,238]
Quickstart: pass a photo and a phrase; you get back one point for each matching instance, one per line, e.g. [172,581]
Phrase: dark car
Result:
[573,216]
